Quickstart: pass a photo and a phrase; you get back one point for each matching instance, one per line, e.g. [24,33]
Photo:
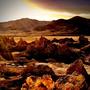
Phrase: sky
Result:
[43,9]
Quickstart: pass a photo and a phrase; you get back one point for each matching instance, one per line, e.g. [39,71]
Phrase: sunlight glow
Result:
[17,9]
[43,14]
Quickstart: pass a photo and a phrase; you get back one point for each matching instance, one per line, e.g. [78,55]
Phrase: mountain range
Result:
[25,26]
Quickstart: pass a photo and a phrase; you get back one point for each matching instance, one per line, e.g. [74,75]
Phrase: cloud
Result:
[73,6]
[43,9]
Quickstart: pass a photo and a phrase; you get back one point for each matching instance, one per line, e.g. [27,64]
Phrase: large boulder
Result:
[78,67]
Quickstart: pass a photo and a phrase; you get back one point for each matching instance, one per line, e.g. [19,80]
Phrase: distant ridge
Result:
[24,25]
[73,26]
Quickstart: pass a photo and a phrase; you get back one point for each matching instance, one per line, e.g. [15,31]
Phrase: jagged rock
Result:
[66,54]
[4,48]
[78,67]
[38,70]
[42,49]
[38,83]
[45,82]
[66,40]
[55,40]
[21,45]
[71,82]
[37,48]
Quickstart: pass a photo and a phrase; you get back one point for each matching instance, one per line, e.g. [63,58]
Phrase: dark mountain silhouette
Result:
[82,24]
[74,26]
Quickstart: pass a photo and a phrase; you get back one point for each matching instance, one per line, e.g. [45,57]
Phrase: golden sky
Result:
[46,14]
[43,9]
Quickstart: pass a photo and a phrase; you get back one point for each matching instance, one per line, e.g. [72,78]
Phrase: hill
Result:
[22,27]
[74,26]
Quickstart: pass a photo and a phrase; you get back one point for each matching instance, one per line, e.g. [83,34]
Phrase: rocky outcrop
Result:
[71,81]
[5,45]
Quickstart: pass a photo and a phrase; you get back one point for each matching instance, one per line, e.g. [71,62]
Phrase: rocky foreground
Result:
[45,65]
